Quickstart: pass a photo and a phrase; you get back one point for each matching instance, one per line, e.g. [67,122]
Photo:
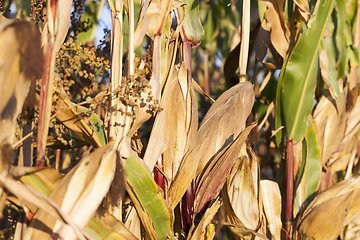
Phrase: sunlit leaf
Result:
[83,187]
[144,191]
[217,130]
[300,74]
[21,62]
[88,126]
[197,231]
[213,178]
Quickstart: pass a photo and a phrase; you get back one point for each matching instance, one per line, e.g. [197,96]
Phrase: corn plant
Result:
[248,111]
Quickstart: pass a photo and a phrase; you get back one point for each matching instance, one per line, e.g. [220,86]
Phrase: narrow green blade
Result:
[145,191]
[300,73]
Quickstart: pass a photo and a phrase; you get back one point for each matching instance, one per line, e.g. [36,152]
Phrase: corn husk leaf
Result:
[181,122]
[212,180]
[330,119]
[321,223]
[157,12]
[243,182]
[192,30]
[217,130]
[82,188]
[28,196]
[105,226]
[271,201]
[102,226]
[198,231]
[87,126]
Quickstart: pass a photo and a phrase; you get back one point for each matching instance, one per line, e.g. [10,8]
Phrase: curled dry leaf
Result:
[352,118]
[212,179]
[157,141]
[243,181]
[271,201]
[279,31]
[303,8]
[197,231]
[79,193]
[157,12]
[29,196]
[181,122]
[224,121]
[318,222]
[321,223]
[91,197]
[329,116]
[84,124]
[102,226]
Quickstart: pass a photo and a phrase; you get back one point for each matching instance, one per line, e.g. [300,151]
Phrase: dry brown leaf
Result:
[340,160]
[115,225]
[21,62]
[330,118]
[48,176]
[157,141]
[325,220]
[224,121]
[74,119]
[211,180]
[271,201]
[303,8]
[181,123]
[275,19]
[331,210]
[91,197]
[353,118]
[132,222]
[197,231]
[83,187]
[243,183]
[29,196]
[157,13]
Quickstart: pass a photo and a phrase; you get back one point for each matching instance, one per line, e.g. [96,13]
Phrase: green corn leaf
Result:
[309,174]
[300,74]
[148,199]
[313,162]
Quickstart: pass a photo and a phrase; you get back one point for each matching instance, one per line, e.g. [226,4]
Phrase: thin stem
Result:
[131,38]
[245,38]
[289,188]
[188,208]
[158,177]
[116,65]
[353,71]
[188,199]
[206,78]
[43,125]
